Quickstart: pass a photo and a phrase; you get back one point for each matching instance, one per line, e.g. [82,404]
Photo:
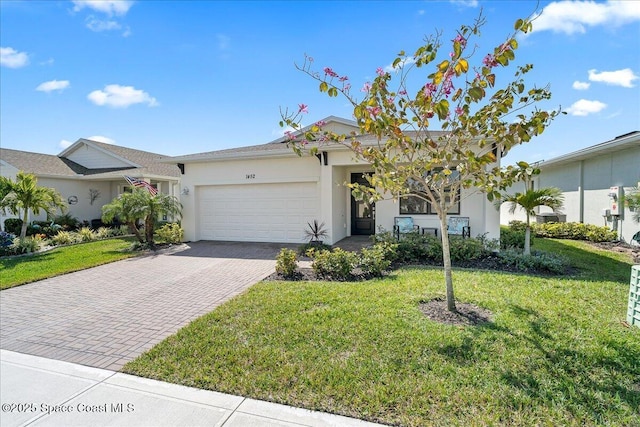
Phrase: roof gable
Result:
[93,156]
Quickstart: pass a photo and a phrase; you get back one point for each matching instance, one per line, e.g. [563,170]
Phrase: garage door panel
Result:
[257,212]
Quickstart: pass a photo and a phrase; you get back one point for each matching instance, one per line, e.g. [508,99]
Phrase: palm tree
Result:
[140,205]
[529,200]
[24,194]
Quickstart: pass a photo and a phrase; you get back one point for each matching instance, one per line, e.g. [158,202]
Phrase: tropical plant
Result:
[315,232]
[632,200]
[25,195]
[407,158]
[550,197]
[141,206]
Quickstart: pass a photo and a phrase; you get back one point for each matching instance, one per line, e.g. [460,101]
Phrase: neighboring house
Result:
[586,177]
[89,174]
[266,193]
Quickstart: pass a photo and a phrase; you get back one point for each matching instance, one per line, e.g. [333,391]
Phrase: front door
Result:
[363,214]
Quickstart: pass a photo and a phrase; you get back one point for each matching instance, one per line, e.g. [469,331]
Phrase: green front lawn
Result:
[16,271]
[556,353]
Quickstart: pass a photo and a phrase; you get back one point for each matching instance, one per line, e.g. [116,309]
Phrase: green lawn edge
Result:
[556,353]
[20,270]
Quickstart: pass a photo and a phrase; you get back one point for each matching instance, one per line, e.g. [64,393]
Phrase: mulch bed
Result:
[465,315]
[633,251]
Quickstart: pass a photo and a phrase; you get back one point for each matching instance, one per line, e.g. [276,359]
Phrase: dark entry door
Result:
[363,214]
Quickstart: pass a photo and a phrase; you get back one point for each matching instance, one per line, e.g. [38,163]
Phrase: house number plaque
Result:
[251,176]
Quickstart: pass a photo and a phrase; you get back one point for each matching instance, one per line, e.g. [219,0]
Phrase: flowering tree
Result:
[480,122]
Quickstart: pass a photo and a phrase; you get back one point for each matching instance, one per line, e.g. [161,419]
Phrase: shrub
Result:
[538,261]
[313,246]
[86,234]
[286,262]
[104,232]
[13,225]
[575,231]
[6,239]
[337,264]
[67,222]
[170,233]
[376,260]
[64,238]
[26,245]
[513,238]
[516,225]
[466,249]
[123,230]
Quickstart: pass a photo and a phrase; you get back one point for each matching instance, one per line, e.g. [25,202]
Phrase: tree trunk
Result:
[148,230]
[23,229]
[134,229]
[527,238]
[446,260]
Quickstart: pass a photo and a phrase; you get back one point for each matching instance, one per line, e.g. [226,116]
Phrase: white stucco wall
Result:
[335,203]
[585,184]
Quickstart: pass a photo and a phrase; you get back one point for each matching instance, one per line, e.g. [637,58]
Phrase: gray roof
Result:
[275,148]
[622,142]
[50,165]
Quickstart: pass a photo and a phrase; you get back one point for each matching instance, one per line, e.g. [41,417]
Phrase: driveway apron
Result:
[108,315]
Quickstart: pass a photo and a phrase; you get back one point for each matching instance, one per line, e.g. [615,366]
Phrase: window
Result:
[412,205]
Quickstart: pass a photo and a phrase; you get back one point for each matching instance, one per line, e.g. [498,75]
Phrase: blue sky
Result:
[190,76]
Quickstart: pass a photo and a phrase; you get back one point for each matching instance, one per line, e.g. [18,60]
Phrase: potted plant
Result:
[316,232]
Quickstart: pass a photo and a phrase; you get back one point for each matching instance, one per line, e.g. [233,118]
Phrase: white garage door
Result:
[257,212]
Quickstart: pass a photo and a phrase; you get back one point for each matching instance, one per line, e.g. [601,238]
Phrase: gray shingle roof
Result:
[47,164]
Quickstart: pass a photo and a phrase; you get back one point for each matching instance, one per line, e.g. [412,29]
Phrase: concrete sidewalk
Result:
[43,392]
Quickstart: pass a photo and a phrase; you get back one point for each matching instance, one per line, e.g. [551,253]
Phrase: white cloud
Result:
[584,107]
[571,17]
[100,138]
[9,57]
[465,3]
[49,61]
[577,85]
[52,85]
[117,96]
[408,61]
[109,7]
[99,25]
[622,78]
[65,144]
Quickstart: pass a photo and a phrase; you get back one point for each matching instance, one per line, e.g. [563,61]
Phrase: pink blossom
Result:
[366,87]
[402,92]
[289,135]
[490,61]
[374,111]
[330,72]
[343,78]
[320,123]
[447,86]
[461,40]
[391,100]
[380,71]
[451,55]
[429,89]
[346,86]
[459,111]
[302,108]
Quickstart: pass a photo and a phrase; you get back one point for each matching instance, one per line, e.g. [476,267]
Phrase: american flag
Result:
[138,183]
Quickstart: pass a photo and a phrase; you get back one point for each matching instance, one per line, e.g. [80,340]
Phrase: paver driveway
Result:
[108,315]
